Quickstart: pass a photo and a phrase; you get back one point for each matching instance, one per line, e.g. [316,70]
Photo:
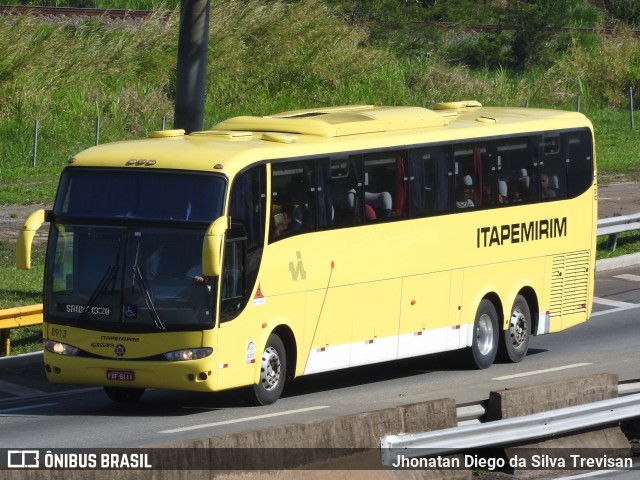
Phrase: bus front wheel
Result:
[273,371]
[484,346]
[124,395]
[515,339]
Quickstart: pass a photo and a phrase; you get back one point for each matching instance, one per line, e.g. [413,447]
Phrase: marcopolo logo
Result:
[23,459]
[297,269]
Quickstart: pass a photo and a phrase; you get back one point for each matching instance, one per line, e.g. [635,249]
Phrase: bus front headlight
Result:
[60,348]
[188,354]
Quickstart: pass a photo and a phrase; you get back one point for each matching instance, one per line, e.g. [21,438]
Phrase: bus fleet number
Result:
[59,332]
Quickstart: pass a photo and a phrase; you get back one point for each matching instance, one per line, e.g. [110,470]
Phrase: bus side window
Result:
[232,292]
[579,160]
[293,199]
[247,204]
[517,164]
[430,179]
[325,213]
[552,178]
[470,162]
[384,185]
[347,190]
[244,245]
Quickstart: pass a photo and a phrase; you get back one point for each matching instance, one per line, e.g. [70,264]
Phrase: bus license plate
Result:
[126,375]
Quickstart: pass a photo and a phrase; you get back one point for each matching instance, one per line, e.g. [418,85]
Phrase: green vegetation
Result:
[270,55]
[628,242]
[20,287]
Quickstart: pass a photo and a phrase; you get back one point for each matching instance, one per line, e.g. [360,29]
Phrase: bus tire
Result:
[124,395]
[273,372]
[484,345]
[515,338]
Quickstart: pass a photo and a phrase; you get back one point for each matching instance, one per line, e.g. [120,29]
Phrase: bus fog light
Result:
[60,348]
[188,354]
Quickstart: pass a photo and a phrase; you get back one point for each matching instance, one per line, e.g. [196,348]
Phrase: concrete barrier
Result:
[517,402]
[565,393]
[343,447]
[348,447]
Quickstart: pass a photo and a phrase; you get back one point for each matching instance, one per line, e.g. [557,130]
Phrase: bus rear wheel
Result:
[515,338]
[273,372]
[124,395]
[484,346]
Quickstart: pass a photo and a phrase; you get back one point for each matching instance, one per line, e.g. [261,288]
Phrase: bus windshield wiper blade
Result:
[146,294]
[108,276]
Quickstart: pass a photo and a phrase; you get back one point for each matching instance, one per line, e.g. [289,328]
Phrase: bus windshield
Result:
[140,194]
[129,278]
[109,270]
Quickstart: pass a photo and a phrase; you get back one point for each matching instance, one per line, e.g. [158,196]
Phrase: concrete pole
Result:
[191,73]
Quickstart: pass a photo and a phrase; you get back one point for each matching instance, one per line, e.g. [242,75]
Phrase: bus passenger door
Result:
[238,329]
[234,345]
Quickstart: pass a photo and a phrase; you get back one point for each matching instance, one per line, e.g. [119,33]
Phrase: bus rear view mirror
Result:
[25,238]
[212,247]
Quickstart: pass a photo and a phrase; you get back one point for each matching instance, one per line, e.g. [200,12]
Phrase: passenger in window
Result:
[516,191]
[463,198]
[545,188]
[287,217]
[489,199]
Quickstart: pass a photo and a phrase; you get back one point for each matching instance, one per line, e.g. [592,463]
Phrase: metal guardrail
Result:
[15,318]
[612,226]
[618,224]
[473,413]
[507,431]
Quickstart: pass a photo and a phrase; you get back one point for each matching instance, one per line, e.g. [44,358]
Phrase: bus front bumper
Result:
[191,375]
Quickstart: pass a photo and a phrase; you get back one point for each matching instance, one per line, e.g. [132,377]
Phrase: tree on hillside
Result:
[627,11]
[533,20]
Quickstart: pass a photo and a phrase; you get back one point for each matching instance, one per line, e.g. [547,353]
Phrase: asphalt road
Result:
[34,414]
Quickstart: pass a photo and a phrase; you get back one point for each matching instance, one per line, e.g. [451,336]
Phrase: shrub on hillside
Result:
[604,74]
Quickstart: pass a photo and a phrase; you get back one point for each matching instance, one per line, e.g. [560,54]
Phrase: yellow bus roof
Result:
[236,142]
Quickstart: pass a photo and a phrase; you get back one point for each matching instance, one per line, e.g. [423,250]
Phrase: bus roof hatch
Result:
[340,121]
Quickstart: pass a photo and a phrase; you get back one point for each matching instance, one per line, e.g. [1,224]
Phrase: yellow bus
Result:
[308,241]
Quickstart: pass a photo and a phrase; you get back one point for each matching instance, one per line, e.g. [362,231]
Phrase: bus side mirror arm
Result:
[25,237]
[212,247]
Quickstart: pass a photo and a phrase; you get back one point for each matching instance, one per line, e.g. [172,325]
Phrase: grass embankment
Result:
[264,57]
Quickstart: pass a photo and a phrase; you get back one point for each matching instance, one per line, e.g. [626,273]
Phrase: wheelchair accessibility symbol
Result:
[131,311]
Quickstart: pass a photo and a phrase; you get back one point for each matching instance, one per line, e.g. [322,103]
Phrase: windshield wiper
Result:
[108,276]
[146,294]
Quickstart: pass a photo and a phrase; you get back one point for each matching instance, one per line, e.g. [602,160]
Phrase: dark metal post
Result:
[631,106]
[191,73]
[5,342]
[36,126]
[612,240]
[97,129]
